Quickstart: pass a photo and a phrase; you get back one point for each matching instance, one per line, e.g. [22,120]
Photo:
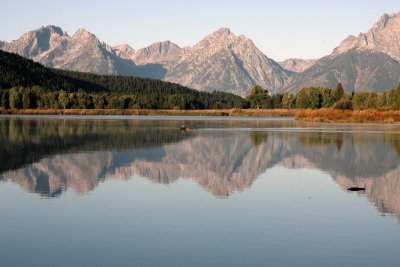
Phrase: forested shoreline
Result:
[25,84]
[37,97]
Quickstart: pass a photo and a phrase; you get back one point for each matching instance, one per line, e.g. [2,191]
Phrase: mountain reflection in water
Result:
[48,156]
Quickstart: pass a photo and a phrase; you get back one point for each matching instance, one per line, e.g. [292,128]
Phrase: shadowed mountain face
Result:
[51,156]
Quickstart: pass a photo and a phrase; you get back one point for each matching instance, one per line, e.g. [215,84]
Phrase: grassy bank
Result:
[316,115]
[349,116]
[152,112]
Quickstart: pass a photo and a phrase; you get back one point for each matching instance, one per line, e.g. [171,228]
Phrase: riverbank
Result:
[156,112]
[348,116]
[316,115]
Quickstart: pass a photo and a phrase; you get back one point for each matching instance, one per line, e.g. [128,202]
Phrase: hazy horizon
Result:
[288,29]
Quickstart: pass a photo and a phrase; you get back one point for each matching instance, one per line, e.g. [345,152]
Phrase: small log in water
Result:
[356,189]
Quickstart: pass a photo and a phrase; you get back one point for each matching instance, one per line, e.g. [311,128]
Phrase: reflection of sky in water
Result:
[288,218]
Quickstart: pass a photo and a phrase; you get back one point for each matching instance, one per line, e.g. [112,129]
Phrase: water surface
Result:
[137,191]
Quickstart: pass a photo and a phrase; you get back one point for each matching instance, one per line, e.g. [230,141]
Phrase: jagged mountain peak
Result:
[385,18]
[221,37]
[123,47]
[383,36]
[223,60]
[357,70]
[224,39]
[165,48]
[53,29]
[157,53]
[124,51]
[297,64]
[82,33]
[383,21]
[222,31]
[36,42]
[225,32]
[228,62]
[369,61]
[44,30]
[162,45]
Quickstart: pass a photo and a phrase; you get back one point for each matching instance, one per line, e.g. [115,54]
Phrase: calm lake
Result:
[137,191]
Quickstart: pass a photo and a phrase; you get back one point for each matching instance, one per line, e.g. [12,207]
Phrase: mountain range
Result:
[224,61]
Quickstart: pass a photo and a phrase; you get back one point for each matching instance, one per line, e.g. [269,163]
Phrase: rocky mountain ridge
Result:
[384,37]
[227,62]
[297,64]
[52,47]
[224,61]
[367,62]
[156,53]
[357,70]
[221,61]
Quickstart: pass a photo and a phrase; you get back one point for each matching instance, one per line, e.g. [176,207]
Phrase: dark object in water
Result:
[185,129]
[356,188]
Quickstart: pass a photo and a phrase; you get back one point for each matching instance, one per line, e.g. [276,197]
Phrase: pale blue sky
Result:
[281,29]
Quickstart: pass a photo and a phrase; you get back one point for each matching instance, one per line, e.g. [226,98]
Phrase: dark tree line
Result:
[306,98]
[38,98]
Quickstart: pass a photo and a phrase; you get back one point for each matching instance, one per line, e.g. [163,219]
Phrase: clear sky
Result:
[281,28]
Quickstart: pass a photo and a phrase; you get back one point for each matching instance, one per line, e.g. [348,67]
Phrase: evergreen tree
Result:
[338,92]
